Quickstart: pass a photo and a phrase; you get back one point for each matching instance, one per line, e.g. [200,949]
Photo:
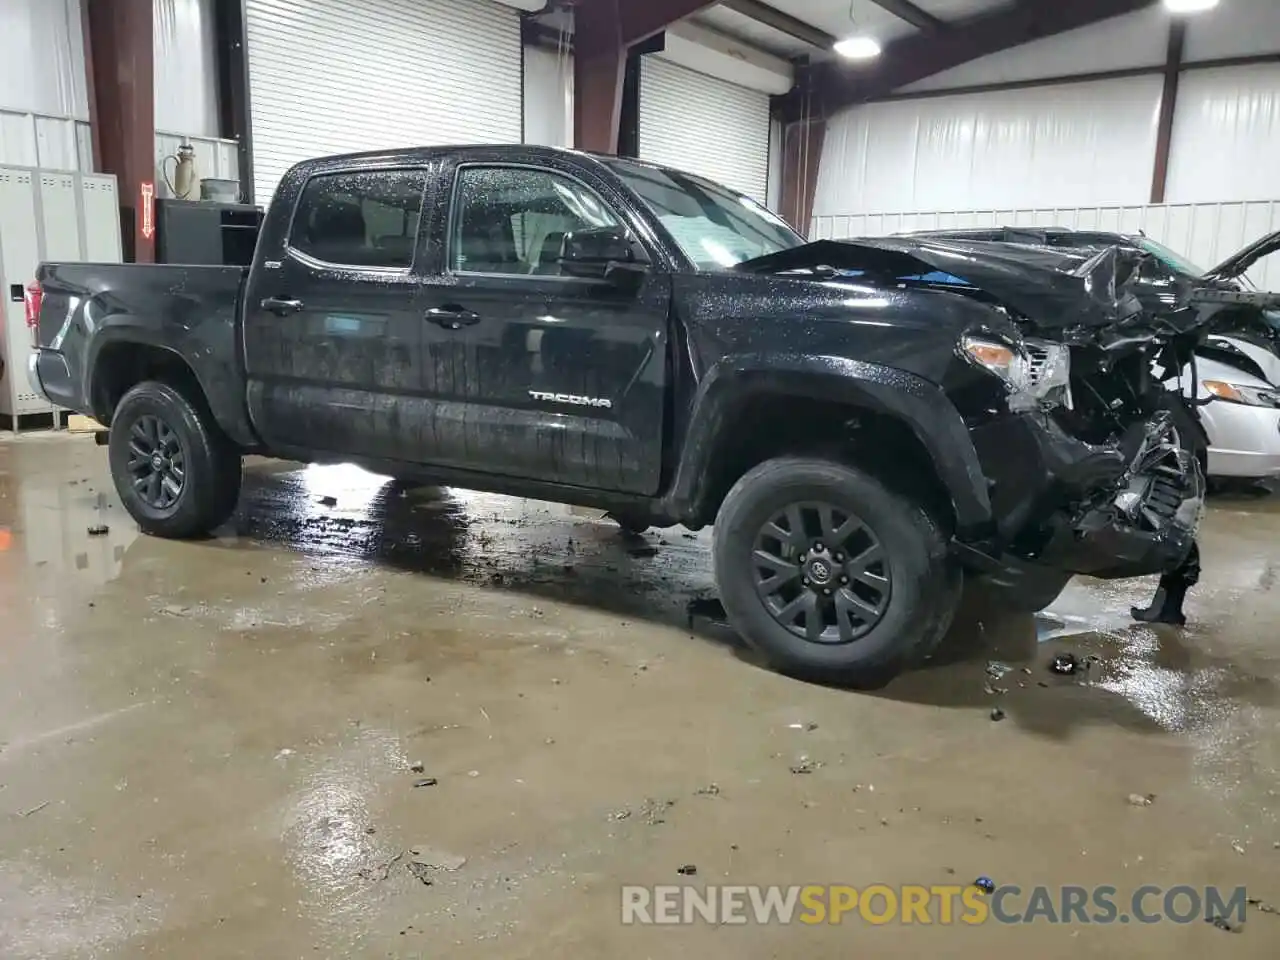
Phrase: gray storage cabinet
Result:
[45,215]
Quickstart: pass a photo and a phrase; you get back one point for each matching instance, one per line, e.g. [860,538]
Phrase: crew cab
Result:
[866,423]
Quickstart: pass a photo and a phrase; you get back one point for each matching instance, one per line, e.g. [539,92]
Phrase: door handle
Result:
[453,317]
[281,305]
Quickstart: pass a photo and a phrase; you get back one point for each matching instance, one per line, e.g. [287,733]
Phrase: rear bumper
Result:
[50,377]
[1064,506]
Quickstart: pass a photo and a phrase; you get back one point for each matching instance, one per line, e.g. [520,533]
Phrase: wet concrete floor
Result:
[210,749]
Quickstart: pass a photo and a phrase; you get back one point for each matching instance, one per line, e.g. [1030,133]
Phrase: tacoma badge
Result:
[571,399]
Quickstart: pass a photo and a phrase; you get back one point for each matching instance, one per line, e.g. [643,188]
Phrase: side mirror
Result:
[602,253]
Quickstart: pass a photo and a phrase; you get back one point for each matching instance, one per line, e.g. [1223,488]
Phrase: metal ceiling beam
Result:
[908,11]
[782,22]
[837,85]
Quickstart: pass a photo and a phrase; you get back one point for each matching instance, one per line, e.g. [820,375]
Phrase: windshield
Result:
[715,228]
[1169,258]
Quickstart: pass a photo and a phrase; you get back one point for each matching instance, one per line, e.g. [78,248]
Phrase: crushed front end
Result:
[1094,459]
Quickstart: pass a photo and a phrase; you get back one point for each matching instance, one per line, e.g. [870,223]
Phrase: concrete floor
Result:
[206,749]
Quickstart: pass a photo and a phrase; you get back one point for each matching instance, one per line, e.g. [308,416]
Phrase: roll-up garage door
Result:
[336,76]
[704,125]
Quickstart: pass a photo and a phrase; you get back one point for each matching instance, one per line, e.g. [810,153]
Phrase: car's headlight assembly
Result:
[1036,371]
[1239,393]
[995,356]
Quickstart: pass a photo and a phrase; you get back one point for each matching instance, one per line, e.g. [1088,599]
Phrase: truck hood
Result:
[1238,264]
[1050,289]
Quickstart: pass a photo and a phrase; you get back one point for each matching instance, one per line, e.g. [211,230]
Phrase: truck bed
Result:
[191,312]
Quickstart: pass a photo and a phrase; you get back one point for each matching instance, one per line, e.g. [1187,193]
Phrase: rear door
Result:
[537,374]
[333,328]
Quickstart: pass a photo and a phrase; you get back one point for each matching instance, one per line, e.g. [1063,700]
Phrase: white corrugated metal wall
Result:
[705,125]
[337,76]
[1205,233]
[44,104]
[1076,144]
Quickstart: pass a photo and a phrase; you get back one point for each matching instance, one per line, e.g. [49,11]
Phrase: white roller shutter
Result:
[703,125]
[336,76]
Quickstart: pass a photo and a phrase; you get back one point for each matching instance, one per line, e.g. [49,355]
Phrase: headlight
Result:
[1006,362]
[1239,393]
[1038,370]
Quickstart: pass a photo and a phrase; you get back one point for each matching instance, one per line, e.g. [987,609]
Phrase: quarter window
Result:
[513,220]
[365,219]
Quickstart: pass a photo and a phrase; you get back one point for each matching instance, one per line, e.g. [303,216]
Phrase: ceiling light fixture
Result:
[1189,6]
[858,47]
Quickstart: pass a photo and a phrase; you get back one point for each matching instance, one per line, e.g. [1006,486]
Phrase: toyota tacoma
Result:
[866,423]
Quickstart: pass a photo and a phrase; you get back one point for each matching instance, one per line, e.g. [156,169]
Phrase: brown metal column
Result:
[801,152]
[120,60]
[599,67]
[1168,109]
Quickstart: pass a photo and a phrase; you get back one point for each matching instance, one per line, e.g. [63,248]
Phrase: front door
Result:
[333,328]
[538,374]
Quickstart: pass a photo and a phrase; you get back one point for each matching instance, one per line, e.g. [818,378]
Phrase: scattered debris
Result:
[370,830]
[421,871]
[985,884]
[710,790]
[1262,906]
[655,811]
[805,765]
[688,870]
[536,612]
[426,782]
[174,610]
[1138,800]
[997,714]
[1065,664]
[328,501]
[434,859]
[385,869]
[1027,671]
[99,530]
[36,809]
[643,551]
[619,815]
[549,741]
[1042,683]
[417,766]
[473,773]
[996,669]
[991,690]
[1238,847]
[286,752]
[1222,923]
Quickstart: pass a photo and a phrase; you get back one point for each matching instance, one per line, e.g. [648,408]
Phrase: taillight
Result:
[32,299]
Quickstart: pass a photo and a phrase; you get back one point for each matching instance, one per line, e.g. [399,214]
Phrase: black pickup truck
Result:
[864,422]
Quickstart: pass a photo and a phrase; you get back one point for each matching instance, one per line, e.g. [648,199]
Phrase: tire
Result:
[914,610]
[209,463]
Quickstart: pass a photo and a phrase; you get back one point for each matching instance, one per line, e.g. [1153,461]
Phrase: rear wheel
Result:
[176,473]
[831,575]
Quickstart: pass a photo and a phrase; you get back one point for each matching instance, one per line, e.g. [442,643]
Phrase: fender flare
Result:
[127,329]
[918,404]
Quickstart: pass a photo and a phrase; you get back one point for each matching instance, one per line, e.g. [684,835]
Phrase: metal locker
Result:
[19,257]
[45,215]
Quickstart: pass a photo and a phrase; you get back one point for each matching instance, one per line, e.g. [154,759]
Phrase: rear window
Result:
[365,219]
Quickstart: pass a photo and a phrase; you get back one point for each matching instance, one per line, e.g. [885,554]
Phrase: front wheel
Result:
[176,473]
[831,575]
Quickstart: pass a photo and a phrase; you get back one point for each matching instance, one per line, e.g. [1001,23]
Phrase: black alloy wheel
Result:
[157,462]
[821,573]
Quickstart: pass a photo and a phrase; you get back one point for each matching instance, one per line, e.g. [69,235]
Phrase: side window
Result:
[511,220]
[360,219]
